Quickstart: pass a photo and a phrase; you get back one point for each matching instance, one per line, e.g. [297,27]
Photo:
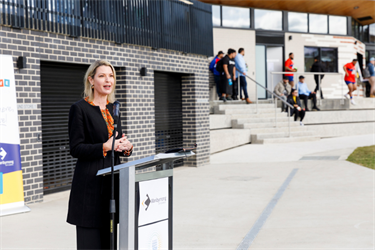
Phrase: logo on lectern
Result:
[146,203]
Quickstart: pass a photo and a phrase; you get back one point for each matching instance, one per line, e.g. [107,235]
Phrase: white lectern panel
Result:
[154,201]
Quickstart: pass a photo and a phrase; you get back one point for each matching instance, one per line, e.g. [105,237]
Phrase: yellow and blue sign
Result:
[11,183]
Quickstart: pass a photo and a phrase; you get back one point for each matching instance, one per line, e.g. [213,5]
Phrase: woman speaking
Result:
[91,127]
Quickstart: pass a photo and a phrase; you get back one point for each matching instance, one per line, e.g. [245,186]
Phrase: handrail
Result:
[272,93]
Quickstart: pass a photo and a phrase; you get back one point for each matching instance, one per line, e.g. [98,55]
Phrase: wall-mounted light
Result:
[143,71]
[290,38]
[186,1]
[21,62]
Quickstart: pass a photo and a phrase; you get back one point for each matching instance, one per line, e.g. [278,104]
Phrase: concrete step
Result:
[218,102]
[266,125]
[220,121]
[223,139]
[363,103]
[260,120]
[326,104]
[245,111]
[279,129]
[261,136]
[260,115]
[244,106]
[340,116]
[287,140]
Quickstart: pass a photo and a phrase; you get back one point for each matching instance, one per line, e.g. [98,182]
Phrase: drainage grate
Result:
[319,158]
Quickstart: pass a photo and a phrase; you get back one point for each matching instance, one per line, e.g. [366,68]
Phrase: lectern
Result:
[146,201]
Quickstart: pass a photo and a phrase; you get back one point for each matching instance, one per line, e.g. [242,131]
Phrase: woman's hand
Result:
[123,144]
[120,144]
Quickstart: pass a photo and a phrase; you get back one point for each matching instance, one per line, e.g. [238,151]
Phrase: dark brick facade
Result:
[136,93]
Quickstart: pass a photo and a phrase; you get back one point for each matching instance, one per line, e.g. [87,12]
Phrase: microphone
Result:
[116,112]
[116,109]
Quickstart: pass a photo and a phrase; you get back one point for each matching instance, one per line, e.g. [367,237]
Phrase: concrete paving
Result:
[328,204]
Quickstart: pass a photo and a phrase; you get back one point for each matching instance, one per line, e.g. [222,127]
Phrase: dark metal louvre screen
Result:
[61,86]
[169,24]
[168,112]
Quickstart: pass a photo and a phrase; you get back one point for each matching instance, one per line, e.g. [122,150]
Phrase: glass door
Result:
[260,69]
[274,64]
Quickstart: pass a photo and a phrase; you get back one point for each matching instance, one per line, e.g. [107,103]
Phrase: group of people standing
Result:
[227,71]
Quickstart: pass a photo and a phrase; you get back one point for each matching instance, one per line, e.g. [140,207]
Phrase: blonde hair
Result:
[91,71]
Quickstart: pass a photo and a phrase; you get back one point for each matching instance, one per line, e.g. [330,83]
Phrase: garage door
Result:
[168,112]
[61,86]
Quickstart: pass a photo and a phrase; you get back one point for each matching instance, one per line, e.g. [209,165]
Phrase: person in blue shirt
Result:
[305,93]
[217,74]
[241,66]
[371,79]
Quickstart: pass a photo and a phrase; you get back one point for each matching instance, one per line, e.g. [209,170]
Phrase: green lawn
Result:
[364,156]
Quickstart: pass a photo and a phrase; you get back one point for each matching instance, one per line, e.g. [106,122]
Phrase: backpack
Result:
[212,64]
[366,73]
[219,66]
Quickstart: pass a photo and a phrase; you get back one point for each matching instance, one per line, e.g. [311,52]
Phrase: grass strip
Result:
[364,156]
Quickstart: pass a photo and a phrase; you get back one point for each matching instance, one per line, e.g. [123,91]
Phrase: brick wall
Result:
[136,93]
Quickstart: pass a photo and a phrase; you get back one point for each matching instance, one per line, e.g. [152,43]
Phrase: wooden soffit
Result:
[355,8]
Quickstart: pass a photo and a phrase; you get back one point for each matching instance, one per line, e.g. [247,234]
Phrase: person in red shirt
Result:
[350,80]
[289,68]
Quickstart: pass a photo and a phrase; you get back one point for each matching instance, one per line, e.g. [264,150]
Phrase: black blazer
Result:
[90,194]
[290,100]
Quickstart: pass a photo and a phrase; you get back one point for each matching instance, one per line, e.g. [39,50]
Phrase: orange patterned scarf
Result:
[109,121]
[106,116]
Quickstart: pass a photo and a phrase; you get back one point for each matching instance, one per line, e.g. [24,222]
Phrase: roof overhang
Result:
[356,9]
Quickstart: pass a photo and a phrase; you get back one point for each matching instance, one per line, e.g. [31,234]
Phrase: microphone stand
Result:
[112,202]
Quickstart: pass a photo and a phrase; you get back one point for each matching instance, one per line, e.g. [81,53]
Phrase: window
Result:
[236,17]
[366,31]
[337,25]
[268,19]
[297,22]
[372,33]
[318,23]
[355,28]
[216,15]
[328,57]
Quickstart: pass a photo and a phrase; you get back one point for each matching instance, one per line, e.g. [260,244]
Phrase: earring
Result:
[92,86]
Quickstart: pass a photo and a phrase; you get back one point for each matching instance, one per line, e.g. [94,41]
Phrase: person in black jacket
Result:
[90,139]
[318,67]
[294,100]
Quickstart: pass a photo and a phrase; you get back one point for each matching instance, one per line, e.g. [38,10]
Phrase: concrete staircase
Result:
[237,123]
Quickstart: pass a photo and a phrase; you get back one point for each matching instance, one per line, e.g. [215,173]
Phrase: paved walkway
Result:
[281,196]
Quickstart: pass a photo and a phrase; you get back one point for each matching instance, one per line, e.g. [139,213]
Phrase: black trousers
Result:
[235,88]
[298,113]
[316,78]
[306,97]
[94,238]
[225,87]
